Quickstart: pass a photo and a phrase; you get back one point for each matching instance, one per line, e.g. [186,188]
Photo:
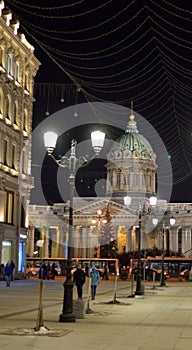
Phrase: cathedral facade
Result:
[106,227]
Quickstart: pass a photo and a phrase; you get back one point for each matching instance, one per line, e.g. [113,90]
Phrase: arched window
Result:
[15,112]
[111,177]
[13,156]
[150,180]
[135,179]
[5,152]
[25,120]
[9,65]
[1,101]
[127,180]
[9,207]
[118,179]
[143,180]
[9,107]
[27,82]
[16,72]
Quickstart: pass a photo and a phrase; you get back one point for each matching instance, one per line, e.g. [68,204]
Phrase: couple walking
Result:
[79,280]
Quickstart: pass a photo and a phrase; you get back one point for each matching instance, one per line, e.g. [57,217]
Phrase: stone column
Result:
[184,247]
[159,238]
[30,241]
[76,242]
[91,242]
[187,233]
[190,240]
[88,242]
[128,239]
[46,242]
[84,242]
[175,238]
[61,242]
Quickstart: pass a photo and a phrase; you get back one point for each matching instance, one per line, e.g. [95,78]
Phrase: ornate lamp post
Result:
[72,163]
[127,201]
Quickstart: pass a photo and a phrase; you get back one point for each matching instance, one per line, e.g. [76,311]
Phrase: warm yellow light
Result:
[99,212]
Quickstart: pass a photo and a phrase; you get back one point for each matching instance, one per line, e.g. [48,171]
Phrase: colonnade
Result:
[86,240]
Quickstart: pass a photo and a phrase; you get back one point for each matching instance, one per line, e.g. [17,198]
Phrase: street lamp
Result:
[162,282]
[50,139]
[152,201]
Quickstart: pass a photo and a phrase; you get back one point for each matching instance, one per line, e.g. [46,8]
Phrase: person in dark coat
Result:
[105,273]
[8,272]
[79,280]
[53,271]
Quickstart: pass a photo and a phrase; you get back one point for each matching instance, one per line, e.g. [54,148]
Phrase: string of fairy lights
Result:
[116,52]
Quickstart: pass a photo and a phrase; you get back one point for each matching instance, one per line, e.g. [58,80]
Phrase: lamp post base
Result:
[67,313]
[139,287]
[67,318]
[139,292]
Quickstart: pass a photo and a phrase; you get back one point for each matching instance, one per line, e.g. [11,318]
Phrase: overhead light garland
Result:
[141,52]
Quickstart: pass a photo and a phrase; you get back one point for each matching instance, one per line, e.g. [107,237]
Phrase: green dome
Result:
[134,142]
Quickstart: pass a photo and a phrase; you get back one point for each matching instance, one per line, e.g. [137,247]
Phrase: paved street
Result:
[161,320]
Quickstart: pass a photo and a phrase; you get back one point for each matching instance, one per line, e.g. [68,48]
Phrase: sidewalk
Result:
[160,320]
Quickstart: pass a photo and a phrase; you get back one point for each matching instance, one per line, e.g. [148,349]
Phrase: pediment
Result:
[94,204]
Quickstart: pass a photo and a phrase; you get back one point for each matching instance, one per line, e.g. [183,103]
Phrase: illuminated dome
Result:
[135,143]
[131,164]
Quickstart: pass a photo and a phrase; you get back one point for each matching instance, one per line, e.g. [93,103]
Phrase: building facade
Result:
[18,67]
[105,227]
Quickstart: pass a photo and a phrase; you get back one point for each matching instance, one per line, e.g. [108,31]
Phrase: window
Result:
[127,179]
[13,153]
[17,72]
[9,107]
[135,180]
[143,180]
[26,82]
[9,206]
[9,65]
[118,179]
[150,180]
[111,178]
[22,213]
[25,120]
[5,152]
[21,262]
[15,112]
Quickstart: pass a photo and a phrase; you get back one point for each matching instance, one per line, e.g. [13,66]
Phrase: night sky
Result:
[116,51]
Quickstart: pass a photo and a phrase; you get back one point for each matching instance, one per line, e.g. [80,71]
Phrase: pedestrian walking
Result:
[79,280]
[8,272]
[95,277]
[13,266]
[43,271]
[53,271]
[105,272]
